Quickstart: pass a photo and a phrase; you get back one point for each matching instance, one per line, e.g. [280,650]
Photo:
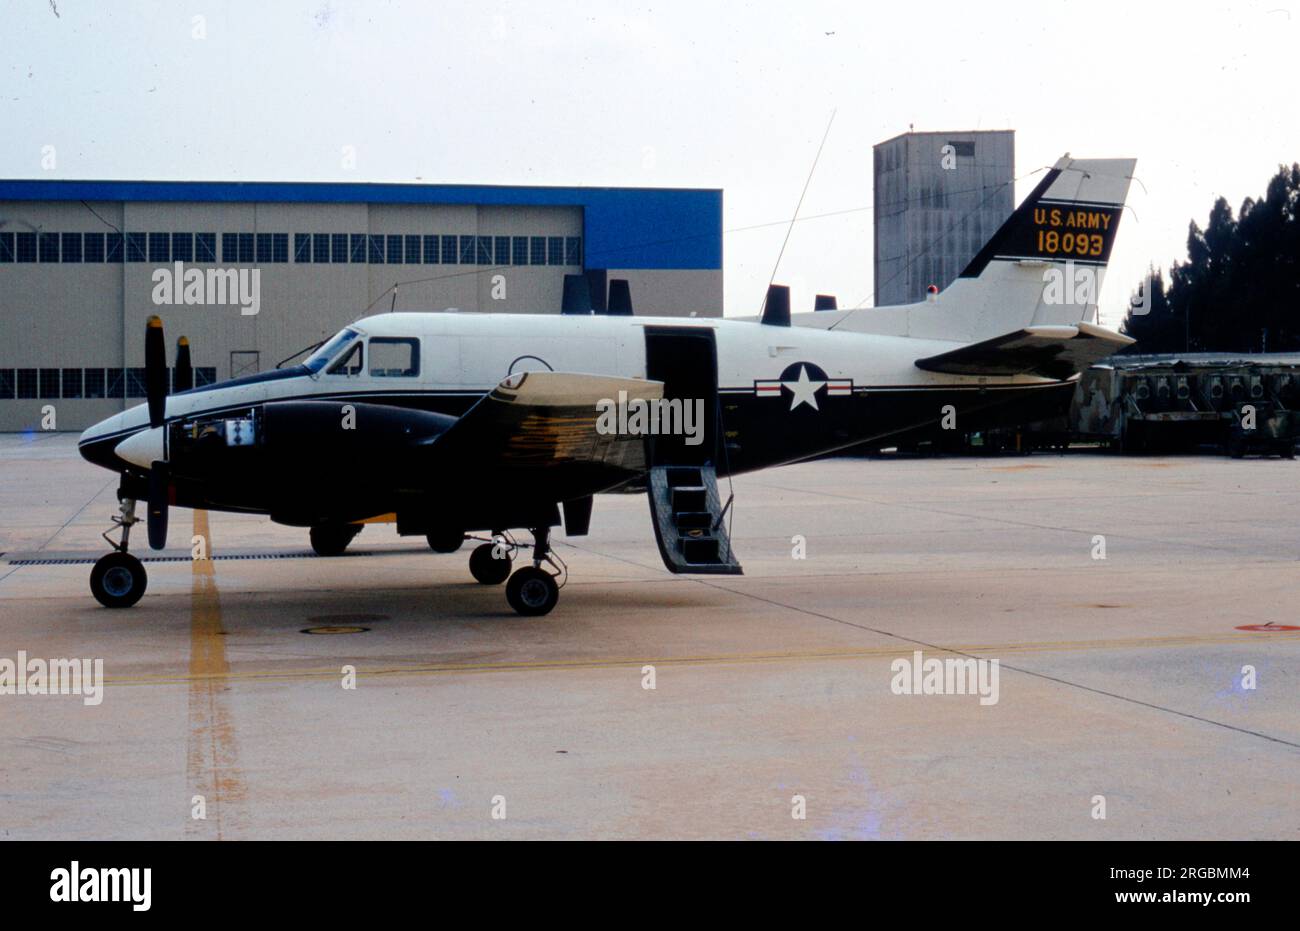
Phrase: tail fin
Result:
[1043,267]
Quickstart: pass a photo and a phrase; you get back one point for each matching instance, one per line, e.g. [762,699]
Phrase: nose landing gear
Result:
[118,579]
[532,591]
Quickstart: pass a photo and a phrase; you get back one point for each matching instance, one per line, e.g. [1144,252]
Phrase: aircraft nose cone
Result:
[145,448]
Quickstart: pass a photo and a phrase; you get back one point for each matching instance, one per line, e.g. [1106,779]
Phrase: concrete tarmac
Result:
[1130,704]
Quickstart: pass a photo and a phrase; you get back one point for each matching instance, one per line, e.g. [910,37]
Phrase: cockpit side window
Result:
[394,357]
[350,363]
[331,350]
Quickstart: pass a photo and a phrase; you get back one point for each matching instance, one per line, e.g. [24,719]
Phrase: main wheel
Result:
[532,592]
[488,568]
[118,580]
[445,541]
[333,539]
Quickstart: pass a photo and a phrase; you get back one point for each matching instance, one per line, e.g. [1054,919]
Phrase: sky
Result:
[663,94]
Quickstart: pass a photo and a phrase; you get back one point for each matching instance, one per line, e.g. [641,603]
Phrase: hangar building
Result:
[939,196]
[78,264]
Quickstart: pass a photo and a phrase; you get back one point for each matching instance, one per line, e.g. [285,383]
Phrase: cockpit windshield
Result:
[332,349]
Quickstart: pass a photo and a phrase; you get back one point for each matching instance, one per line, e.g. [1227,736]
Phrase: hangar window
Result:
[135,247]
[412,250]
[376,249]
[265,249]
[246,248]
[503,250]
[339,247]
[135,383]
[302,247]
[49,247]
[555,250]
[520,256]
[160,247]
[573,251]
[449,250]
[72,383]
[50,384]
[280,247]
[113,246]
[6,247]
[358,251]
[205,247]
[25,380]
[538,250]
[93,382]
[394,250]
[72,247]
[229,248]
[320,248]
[183,247]
[963,149]
[6,383]
[431,249]
[205,375]
[467,250]
[483,249]
[93,249]
[391,357]
[26,250]
[114,383]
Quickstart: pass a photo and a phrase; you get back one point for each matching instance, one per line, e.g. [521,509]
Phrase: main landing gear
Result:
[118,579]
[532,591]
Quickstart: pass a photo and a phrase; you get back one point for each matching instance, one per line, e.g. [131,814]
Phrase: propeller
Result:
[155,383]
[577,295]
[776,309]
[183,377]
[620,298]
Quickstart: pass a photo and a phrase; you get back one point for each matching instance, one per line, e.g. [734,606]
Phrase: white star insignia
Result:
[804,390]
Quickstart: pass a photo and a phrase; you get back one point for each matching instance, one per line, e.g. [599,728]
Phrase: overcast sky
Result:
[675,94]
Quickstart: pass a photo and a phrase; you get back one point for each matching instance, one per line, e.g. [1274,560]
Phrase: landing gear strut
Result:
[532,591]
[118,579]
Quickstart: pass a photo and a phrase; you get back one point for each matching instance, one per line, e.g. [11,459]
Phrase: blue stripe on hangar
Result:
[631,228]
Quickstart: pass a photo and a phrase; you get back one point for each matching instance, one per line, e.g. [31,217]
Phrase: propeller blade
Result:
[776,309]
[155,372]
[183,377]
[620,298]
[159,480]
[577,295]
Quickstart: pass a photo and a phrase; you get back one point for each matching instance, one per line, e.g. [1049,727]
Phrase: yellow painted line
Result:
[707,659]
[212,759]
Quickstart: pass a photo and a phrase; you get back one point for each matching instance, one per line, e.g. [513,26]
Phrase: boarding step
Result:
[689,520]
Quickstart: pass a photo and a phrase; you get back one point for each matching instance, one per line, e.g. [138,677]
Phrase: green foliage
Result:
[1239,290]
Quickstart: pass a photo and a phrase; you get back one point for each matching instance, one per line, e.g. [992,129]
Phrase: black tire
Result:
[488,568]
[332,540]
[445,541]
[532,592]
[118,580]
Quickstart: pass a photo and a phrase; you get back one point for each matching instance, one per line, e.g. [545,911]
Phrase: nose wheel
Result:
[118,580]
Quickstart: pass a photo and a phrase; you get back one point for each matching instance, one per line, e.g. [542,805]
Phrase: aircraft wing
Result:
[1050,351]
[544,430]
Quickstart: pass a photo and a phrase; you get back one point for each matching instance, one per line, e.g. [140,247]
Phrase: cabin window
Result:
[349,364]
[393,357]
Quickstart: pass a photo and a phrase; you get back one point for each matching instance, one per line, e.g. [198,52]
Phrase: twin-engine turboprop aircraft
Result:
[465,424]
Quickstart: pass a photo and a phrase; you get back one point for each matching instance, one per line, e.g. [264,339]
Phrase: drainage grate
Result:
[91,560]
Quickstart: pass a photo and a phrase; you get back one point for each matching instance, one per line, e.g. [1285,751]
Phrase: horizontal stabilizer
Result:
[1049,351]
